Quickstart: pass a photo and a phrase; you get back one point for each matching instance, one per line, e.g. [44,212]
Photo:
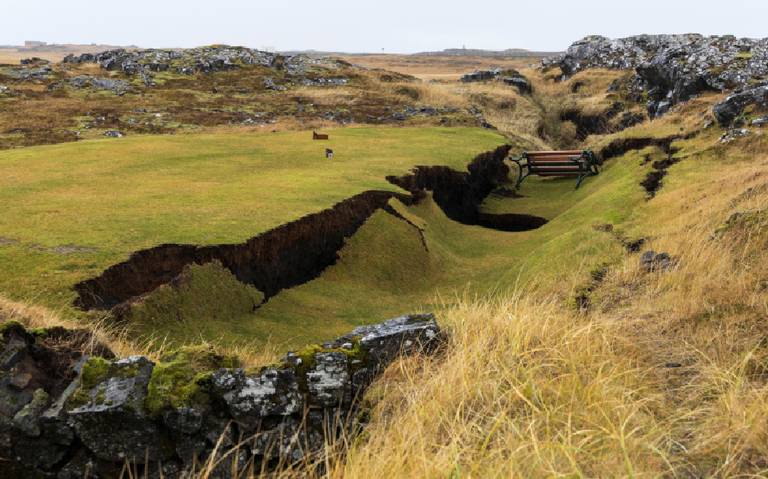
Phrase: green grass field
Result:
[71,210]
[75,209]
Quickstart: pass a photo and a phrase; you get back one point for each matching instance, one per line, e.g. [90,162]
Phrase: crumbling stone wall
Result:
[92,415]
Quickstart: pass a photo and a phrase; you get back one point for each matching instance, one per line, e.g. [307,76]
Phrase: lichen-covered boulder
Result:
[732,107]
[108,413]
[272,392]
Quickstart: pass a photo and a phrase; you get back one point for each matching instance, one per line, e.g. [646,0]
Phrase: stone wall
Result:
[67,414]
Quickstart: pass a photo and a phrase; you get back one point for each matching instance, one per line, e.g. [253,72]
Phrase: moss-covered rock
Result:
[182,379]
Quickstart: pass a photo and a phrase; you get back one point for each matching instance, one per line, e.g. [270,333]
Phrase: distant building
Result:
[34,44]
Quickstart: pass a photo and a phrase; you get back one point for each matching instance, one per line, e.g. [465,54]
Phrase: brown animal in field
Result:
[318,136]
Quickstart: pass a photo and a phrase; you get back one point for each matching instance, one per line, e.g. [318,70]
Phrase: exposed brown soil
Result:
[653,181]
[283,257]
[587,124]
[622,145]
[459,193]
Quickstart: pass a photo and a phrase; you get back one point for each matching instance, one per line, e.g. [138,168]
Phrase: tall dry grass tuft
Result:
[102,331]
[120,340]
[524,390]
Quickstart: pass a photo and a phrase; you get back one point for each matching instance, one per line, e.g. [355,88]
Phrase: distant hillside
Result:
[471,52]
[32,46]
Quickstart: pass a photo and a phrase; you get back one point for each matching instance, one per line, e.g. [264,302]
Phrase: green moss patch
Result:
[308,359]
[95,371]
[182,378]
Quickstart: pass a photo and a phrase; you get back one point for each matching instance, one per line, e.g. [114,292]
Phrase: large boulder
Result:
[733,106]
[108,413]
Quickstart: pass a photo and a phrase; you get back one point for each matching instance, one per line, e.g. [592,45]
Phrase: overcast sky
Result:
[369,26]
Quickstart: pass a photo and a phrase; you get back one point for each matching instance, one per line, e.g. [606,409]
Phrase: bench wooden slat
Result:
[564,161]
[553,171]
[561,173]
[556,153]
[554,163]
[577,163]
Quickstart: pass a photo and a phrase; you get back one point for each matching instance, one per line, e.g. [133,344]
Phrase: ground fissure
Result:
[299,251]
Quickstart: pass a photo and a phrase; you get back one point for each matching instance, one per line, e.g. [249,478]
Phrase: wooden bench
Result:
[577,163]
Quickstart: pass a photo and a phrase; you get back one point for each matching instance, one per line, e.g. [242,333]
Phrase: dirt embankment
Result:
[286,256]
[459,194]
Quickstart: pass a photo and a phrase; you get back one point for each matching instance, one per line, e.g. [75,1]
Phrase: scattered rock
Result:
[729,110]
[4,90]
[760,121]
[27,73]
[301,64]
[34,61]
[114,134]
[270,84]
[175,413]
[119,87]
[734,134]
[325,81]
[650,261]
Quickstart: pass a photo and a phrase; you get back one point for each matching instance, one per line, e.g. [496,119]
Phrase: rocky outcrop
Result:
[119,87]
[27,72]
[672,68]
[197,60]
[510,77]
[89,417]
[729,110]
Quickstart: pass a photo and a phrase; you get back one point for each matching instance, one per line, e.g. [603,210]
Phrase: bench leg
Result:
[520,175]
[578,182]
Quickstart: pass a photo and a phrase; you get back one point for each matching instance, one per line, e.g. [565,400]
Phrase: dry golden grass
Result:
[514,114]
[666,376]
[118,340]
[437,67]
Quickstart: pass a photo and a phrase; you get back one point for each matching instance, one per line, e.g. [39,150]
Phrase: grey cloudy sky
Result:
[369,26]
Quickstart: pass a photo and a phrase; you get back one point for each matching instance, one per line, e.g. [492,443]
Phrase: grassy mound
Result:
[202,301]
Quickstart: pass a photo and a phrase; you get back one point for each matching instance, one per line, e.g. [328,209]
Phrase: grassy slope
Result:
[665,374]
